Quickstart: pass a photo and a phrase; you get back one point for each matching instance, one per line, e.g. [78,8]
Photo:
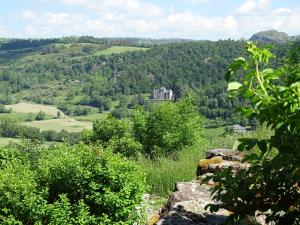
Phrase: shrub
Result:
[4,110]
[271,184]
[66,185]
[168,127]
[40,116]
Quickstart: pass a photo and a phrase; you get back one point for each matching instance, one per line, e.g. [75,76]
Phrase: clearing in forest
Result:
[28,107]
[68,124]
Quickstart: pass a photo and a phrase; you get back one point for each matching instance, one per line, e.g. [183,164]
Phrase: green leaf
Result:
[233,86]
[262,145]
[237,64]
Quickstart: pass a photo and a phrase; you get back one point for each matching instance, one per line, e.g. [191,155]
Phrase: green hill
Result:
[85,71]
[271,36]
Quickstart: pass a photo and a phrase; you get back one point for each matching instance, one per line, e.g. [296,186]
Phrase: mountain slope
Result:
[74,71]
[273,36]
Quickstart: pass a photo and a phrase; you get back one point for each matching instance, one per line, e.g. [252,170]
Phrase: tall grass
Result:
[162,174]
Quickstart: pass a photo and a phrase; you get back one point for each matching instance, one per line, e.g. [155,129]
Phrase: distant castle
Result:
[163,94]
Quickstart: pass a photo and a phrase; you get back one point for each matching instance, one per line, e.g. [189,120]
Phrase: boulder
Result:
[226,154]
[186,206]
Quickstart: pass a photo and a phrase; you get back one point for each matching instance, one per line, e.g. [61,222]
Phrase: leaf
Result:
[245,144]
[233,86]
[237,64]
[262,145]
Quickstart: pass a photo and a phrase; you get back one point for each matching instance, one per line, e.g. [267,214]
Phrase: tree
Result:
[271,184]
[40,116]
[168,127]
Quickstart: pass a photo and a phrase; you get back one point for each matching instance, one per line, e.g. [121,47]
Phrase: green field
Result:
[119,49]
[68,124]
[91,117]
[28,107]
[214,132]
[21,117]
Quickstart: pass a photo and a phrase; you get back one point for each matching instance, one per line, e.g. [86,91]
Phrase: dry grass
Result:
[28,107]
[68,124]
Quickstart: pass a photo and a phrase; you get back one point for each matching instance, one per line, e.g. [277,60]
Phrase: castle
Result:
[163,94]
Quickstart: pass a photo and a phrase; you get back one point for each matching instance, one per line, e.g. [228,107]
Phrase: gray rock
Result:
[212,168]
[226,154]
[187,206]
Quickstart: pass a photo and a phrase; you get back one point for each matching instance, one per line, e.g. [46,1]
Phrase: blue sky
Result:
[194,19]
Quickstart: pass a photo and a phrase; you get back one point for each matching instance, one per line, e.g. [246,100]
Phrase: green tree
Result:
[168,127]
[40,116]
[271,184]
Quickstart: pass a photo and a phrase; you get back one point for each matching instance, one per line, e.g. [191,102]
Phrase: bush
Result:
[114,134]
[271,184]
[168,127]
[40,116]
[66,185]
[4,110]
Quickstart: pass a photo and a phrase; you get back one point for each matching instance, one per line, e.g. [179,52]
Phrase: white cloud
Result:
[29,14]
[3,31]
[282,19]
[140,18]
[197,1]
[250,6]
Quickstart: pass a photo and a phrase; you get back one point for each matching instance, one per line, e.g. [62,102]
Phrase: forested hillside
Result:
[94,72]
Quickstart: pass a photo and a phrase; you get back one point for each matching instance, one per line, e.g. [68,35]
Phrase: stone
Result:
[187,206]
[226,154]
[214,167]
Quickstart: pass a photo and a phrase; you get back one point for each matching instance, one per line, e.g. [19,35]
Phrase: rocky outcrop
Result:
[186,205]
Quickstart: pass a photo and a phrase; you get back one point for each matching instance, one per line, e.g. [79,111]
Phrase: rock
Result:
[226,154]
[187,206]
[186,191]
[212,168]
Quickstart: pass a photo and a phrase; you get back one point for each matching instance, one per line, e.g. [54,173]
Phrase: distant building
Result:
[163,94]
[239,129]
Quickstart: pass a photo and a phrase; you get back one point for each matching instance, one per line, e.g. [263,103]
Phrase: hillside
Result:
[271,36]
[95,72]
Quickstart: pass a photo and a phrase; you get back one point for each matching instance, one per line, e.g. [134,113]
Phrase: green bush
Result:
[66,185]
[168,127]
[114,134]
[271,184]
[40,116]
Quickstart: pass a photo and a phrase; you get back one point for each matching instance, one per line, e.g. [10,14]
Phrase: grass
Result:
[163,173]
[119,49]
[5,141]
[214,132]
[68,124]
[28,107]
[91,117]
[21,117]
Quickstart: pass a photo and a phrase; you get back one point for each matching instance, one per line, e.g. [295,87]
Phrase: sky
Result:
[191,19]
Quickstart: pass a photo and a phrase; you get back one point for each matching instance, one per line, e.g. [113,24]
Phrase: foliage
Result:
[271,184]
[66,185]
[114,134]
[12,129]
[168,127]
[4,110]
[40,116]
[73,75]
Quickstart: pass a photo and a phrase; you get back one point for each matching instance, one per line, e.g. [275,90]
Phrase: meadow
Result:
[68,124]
[119,50]
[28,107]
[21,112]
